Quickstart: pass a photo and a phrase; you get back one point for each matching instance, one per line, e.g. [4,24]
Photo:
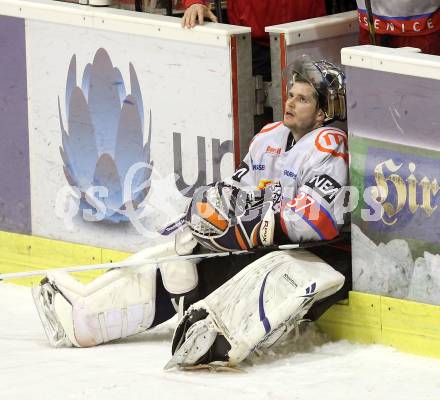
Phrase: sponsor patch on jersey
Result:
[314,214]
[242,170]
[290,174]
[273,150]
[258,167]
[329,140]
[301,201]
[263,183]
[325,186]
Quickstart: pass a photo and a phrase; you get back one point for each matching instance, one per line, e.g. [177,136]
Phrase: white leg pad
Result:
[268,298]
[117,304]
[120,302]
[124,307]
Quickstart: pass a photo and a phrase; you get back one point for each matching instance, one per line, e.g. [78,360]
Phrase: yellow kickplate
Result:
[366,318]
[26,253]
[357,320]
[410,326]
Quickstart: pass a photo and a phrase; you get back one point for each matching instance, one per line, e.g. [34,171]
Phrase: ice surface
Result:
[310,367]
[388,269]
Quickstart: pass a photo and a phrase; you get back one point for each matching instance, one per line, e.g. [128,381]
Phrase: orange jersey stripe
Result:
[267,129]
[315,215]
[270,127]
[240,240]
[255,232]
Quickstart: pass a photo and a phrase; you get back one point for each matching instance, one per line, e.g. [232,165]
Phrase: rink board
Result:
[319,38]
[412,214]
[87,93]
[392,103]
[408,326]
[29,253]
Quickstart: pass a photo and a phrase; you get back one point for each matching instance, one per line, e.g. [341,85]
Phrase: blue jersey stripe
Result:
[263,317]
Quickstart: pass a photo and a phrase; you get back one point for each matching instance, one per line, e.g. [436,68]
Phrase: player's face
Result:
[302,114]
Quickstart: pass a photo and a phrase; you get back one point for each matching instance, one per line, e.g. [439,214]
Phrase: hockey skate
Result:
[215,366]
[198,340]
[44,299]
[196,348]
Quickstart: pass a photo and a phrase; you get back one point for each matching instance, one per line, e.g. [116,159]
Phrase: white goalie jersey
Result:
[312,172]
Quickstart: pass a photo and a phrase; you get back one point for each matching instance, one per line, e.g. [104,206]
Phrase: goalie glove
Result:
[225,218]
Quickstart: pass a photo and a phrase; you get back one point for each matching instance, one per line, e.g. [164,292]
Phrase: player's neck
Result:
[299,134]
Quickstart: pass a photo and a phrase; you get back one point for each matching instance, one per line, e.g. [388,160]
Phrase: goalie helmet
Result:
[327,79]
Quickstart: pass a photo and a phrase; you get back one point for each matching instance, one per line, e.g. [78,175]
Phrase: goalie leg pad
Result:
[124,307]
[117,304]
[267,299]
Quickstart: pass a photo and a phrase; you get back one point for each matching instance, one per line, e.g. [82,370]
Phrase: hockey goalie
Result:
[288,189]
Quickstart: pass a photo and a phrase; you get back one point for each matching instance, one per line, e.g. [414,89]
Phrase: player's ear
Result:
[320,116]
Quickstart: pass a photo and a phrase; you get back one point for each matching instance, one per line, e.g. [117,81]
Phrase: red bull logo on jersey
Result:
[329,141]
[273,150]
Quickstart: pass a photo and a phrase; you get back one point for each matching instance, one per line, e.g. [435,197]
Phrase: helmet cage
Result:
[327,79]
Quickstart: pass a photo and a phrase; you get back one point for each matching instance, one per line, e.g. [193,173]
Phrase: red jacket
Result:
[261,13]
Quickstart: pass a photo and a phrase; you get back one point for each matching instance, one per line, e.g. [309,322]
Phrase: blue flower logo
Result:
[105,155]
